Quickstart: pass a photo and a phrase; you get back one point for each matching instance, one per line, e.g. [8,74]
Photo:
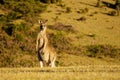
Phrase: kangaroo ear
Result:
[45,21]
[39,21]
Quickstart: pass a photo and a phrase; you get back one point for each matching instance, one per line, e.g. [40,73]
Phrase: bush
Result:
[22,27]
[9,29]
[60,40]
[68,10]
[3,20]
[51,1]
[21,8]
[103,51]
[19,37]
[14,15]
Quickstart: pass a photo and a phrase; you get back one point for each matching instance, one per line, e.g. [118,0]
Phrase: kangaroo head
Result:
[42,25]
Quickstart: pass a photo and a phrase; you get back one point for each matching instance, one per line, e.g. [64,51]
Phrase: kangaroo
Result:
[46,53]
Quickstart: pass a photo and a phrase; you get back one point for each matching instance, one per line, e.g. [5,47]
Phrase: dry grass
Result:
[98,72]
[105,27]
[73,60]
[97,28]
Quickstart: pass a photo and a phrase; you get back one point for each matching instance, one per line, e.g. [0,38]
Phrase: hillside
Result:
[81,33]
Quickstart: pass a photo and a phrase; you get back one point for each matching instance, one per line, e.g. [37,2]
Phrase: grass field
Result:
[97,72]
[92,26]
[105,28]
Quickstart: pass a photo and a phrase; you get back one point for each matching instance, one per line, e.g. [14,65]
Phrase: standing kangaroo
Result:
[46,53]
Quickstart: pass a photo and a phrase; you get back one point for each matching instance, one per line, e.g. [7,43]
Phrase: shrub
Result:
[59,39]
[103,51]
[9,29]
[23,8]
[22,27]
[3,20]
[19,36]
[68,10]
[14,15]
[51,1]
[19,9]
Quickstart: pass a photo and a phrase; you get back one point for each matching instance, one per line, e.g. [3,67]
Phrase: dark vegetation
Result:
[103,51]
[17,40]
[51,1]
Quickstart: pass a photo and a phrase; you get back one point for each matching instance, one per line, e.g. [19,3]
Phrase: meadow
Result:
[85,37]
[87,72]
